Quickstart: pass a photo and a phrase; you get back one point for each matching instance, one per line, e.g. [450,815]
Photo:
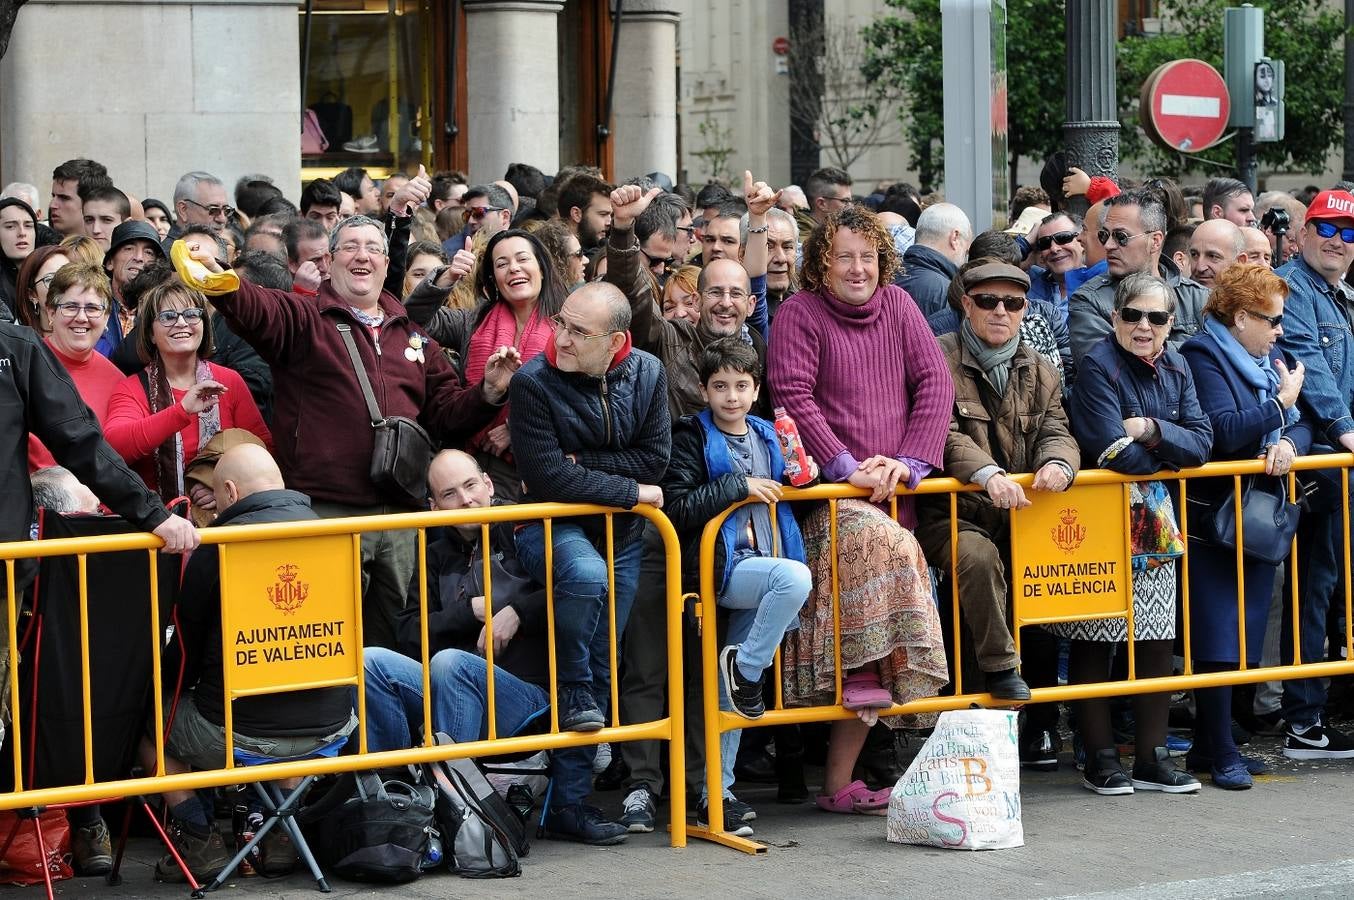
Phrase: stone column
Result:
[512,81]
[158,88]
[644,108]
[1091,130]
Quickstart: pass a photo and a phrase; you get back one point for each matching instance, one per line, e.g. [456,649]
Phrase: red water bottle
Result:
[792,448]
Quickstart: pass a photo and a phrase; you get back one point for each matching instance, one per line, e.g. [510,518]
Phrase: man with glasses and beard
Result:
[1132,231]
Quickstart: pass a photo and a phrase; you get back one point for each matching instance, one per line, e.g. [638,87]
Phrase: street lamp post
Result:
[1091,131]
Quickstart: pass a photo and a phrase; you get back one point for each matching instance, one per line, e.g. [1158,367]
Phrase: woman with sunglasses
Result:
[160,417]
[77,305]
[1249,391]
[1134,410]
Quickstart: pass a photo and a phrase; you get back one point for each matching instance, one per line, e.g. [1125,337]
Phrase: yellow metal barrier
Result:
[717,722]
[283,539]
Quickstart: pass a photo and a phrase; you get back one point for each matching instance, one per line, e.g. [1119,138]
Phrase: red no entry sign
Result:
[1184,105]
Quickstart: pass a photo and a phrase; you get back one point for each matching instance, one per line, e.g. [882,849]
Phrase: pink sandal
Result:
[862,690]
[856,798]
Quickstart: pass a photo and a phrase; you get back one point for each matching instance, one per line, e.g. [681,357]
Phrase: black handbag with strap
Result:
[1268,521]
[402,450]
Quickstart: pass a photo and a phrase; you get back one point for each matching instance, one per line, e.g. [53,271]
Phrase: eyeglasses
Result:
[190,316]
[1062,239]
[1120,236]
[1274,321]
[46,280]
[72,309]
[580,253]
[479,212]
[371,247]
[714,294]
[671,262]
[1133,315]
[990,302]
[573,331]
[1327,230]
[215,210]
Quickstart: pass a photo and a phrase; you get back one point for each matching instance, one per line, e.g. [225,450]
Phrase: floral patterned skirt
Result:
[887,614]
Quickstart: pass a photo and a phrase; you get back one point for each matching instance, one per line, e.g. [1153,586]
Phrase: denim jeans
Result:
[582,643]
[460,699]
[763,595]
[1320,571]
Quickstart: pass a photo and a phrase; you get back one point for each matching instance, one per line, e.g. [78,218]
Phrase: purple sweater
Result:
[862,381]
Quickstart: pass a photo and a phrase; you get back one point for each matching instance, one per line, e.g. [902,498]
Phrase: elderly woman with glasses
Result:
[158,419]
[1134,410]
[77,305]
[1249,390]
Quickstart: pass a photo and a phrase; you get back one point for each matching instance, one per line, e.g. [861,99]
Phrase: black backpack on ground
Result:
[373,829]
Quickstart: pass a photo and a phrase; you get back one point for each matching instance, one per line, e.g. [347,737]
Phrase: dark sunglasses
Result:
[1327,230]
[479,212]
[1062,239]
[1274,321]
[990,302]
[1133,315]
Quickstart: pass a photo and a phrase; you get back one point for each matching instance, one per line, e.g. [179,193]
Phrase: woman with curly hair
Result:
[854,363]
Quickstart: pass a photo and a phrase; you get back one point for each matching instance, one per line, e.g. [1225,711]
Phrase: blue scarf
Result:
[1256,372]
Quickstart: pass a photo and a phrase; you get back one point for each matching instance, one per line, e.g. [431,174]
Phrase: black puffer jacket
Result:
[616,427]
[37,396]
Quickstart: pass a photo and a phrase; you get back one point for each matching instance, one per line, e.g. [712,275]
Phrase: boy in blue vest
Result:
[720,457]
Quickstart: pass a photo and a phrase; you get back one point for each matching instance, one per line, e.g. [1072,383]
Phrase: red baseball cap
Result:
[1331,205]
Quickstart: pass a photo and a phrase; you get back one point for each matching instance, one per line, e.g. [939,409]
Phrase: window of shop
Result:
[368,85]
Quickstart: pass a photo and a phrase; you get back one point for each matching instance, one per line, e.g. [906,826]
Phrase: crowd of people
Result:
[562,338]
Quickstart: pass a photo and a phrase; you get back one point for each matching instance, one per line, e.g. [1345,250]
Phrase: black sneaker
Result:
[1105,774]
[732,825]
[1039,750]
[586,824]
[739,810]
[1317,742]
[1158,773]
[578,710]
[1006,685]
[745,695]
[638,810]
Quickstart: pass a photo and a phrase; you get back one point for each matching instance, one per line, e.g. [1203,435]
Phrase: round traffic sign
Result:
[1184,105]
[780,46]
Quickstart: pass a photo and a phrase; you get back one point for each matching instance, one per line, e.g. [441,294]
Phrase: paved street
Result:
[1287,837]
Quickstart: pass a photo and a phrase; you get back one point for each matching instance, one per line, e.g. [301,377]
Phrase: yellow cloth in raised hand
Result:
[199,277]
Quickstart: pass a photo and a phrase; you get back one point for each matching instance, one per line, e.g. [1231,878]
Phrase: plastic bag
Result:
[962,791]
[23,863]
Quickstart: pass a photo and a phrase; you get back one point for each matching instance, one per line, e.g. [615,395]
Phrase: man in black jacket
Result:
[36,395]
[589,424]
[458,635]
[249,490]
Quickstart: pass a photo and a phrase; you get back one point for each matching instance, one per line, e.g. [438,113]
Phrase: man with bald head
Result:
[589,424]
[1258,249]
[1215,245]
[249,490]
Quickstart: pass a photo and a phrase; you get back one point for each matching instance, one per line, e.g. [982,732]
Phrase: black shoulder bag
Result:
[402,450]
[1269,520]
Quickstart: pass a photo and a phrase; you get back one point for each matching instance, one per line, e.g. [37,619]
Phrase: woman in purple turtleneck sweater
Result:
[853,362]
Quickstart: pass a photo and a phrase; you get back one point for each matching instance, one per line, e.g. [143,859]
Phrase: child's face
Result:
[730,396]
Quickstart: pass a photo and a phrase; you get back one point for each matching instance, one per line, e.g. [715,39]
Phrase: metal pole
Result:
[305,51]
[1091,130]
[1245,157]
[1349,93]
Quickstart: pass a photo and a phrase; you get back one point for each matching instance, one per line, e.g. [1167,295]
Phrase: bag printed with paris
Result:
[962,791]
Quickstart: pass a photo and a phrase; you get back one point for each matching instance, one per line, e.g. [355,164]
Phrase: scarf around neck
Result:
[1255,372]
[169,459]
[994,361]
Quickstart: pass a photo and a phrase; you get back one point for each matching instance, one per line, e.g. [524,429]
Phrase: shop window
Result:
[367,84]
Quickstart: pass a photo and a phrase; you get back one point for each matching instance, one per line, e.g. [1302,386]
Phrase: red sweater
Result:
[95,379]
[136,434]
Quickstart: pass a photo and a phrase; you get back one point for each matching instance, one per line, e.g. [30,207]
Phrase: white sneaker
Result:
[602,760]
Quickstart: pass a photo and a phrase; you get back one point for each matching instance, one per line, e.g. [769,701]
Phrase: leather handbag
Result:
[1268,521]
[402,450]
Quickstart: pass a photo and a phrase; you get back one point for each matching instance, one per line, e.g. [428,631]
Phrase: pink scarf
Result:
[499,329]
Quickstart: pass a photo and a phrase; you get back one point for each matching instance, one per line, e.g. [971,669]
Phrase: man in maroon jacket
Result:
[322,434]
